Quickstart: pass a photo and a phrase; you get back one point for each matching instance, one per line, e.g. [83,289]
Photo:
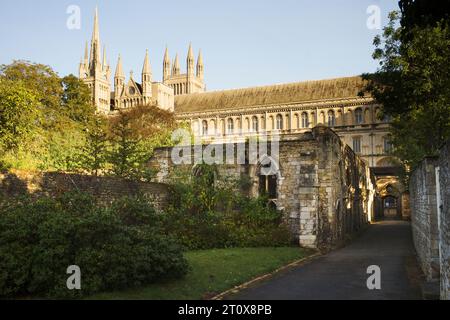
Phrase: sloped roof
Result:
[348,87]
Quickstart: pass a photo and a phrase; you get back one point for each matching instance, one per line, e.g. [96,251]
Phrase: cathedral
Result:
[282,109]
[96,73]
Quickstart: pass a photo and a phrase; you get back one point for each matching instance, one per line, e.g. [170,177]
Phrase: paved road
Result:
[342,274]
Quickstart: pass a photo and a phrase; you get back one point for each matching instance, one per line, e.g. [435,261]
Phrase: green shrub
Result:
[208,211]
[115,247]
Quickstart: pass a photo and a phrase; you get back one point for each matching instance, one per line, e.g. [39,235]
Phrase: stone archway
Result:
[390,191]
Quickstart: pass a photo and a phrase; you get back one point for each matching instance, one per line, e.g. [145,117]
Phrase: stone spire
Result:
[119,69]
[95,43]
[176,66]
[200,66]
[146,68]
[190,61]
[166,65]
[146,78]
[96,31]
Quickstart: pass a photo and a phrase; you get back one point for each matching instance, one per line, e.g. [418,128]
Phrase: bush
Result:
[115,247]
[208,211]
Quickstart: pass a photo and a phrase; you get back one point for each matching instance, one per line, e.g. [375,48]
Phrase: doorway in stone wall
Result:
[267,173]
[390,207]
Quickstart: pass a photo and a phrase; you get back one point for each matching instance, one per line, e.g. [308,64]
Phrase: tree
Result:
[413,86]
[18,114]
[42,80]
[65,111]
[76,100]
[422,13]
[127,155]
[133,134]
[93,154]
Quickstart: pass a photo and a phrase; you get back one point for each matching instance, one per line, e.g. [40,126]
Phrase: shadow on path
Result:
[342,274]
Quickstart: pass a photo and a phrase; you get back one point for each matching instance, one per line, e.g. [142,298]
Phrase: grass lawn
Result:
[214,271]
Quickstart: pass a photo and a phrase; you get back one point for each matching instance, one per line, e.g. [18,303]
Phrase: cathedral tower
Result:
[95,72]
[184,83]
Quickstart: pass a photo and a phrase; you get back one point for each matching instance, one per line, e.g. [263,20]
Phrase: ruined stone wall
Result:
[323,189]
[444,186]
[104,189]
[345,190]
[424,218]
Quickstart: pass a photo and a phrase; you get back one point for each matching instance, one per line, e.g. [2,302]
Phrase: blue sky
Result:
[244,42]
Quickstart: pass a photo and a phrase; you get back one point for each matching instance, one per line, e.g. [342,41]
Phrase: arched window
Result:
[230,126]
[322,117]
[205,128]
[255,124]
[359,116]
[279,122]
[313,119]
[331,118]
[268,179]
[305,120]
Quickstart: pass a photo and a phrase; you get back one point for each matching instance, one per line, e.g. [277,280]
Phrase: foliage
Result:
[76,100]
[40,79]
[55,119]
[115,246]
[422,13]
[18,114]
[210,211]
[133,134]
[49,123]
[92,156]
[413,85]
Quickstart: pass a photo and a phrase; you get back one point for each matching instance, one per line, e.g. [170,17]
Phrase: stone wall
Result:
[444,230]
[430,217]
[105,189]
[424,217]
[323,189]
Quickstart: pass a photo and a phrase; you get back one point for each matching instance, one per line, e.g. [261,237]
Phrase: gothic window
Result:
[279,122]
[357,144]
[331,118]
[230,126]
[305,120]
[268,181]
[255,124]
[204,128]
[359,116]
